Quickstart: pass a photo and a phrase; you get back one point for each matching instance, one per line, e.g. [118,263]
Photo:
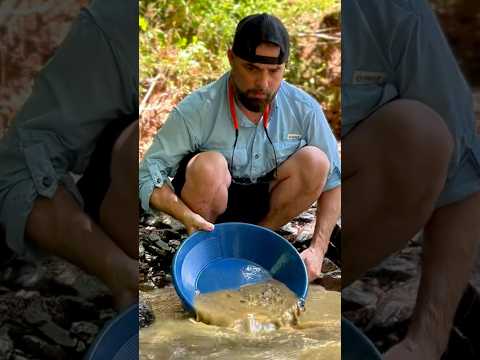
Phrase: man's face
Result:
[256,84]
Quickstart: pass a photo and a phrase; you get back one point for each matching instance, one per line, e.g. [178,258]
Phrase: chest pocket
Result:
[286,148]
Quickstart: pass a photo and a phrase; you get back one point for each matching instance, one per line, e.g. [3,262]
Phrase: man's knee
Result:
[47,217]
[415,148]
[414,127]
[207,182]
[413,142]
[209,167]
[312,165]
[124,164]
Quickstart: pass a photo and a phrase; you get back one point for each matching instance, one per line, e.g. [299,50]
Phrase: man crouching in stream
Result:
[248,147]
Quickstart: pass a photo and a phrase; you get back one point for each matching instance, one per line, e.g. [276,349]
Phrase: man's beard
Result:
[252,103]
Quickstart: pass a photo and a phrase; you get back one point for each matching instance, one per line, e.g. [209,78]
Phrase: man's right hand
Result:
[194,222]
[165,199]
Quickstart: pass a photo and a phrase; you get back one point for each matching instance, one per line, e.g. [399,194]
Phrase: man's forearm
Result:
[328,212]
[164,199]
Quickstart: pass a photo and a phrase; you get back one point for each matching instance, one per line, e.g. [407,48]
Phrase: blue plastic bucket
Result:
[233,255]
[119,338]
[355,345]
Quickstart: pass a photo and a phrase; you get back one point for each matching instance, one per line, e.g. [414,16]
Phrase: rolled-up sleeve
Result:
[319,134]
[171,144]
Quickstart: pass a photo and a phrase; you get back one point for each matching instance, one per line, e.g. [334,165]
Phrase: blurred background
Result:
[29,34]
[460,20]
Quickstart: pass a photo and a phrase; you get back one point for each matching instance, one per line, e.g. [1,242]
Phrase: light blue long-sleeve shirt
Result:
[202,122]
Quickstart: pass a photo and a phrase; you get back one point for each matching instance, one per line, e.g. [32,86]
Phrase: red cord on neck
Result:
[231,101]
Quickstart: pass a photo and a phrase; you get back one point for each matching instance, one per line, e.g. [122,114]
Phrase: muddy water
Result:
[255,308]
[175,335]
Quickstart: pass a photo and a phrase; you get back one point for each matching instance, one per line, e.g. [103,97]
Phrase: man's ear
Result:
[230,57]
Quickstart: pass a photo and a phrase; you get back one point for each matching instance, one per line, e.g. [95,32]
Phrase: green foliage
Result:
[186,41]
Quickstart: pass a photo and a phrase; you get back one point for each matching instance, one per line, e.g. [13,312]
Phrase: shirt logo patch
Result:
[294,136]
[368,77]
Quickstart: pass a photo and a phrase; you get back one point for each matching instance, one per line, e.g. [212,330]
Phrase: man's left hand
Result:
[313,259]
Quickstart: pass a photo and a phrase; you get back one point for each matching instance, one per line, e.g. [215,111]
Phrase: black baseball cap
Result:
[256,29]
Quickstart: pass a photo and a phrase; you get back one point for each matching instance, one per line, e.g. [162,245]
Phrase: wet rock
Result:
[416,241]
[396,269]
[36,313]
[18,356]
[155,221]
[147,285]
[174,243]
[159,242]
[331,281]
[301,246]
[85,331]
[306,217]
[143,267]
[107,315]
[358,295]
[304,236]
[145,313]
[168,235]
[288,231]
[23,274]
[395,306]
[328,266]
[81,347]
[25,294]
[381,303]
[161,279]
[92,290]
[6,347]
[69,309]
[37,319]
[57,334]
[361,316]
[174,224]
[41,349]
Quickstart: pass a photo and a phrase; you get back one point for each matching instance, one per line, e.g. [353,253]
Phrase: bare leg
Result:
[60,227]
[205,190]
[451,239]
[299,183]
[119,209]
[395,165]
[107,251]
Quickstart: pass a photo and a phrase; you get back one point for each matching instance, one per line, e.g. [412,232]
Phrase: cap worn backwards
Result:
[256,29]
